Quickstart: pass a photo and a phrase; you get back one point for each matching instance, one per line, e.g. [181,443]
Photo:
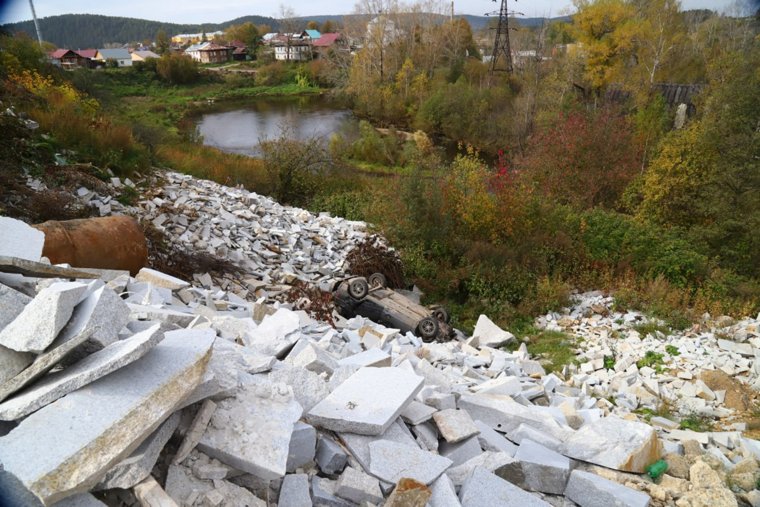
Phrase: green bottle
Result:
[656,469]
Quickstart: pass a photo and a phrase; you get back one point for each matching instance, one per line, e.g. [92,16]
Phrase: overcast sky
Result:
[200,11]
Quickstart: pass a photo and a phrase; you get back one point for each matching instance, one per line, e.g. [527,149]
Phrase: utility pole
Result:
[501,47]
[36,23]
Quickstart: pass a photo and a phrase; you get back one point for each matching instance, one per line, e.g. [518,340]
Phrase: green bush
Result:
[175,68]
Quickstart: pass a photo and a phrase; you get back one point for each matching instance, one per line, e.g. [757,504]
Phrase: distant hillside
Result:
[79,31]
[476,22]
[92,31]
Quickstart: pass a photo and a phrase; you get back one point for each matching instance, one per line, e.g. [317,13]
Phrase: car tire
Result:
[377,281]
[358,288]
[428,329]
[441,314]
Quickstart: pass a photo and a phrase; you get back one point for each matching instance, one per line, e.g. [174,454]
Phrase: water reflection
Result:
[240,130]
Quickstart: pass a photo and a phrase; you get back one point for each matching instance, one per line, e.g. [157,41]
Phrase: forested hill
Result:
[80,31]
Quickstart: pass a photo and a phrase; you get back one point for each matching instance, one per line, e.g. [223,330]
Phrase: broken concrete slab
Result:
[151,494]
[182,486]
[38,325]
[590,490]
[276,334]
[159,279]
[372,357]
[303,444]
[149,389]
[417,413]
[251,431]
[12,363]
[20,240]
[367,402]
[195,431]
[392,462]
[41,364]
[323,494]
[460,452]
[491,461]
[12,303]
[358,487]
[543,469]
[16,265]
[139,464]
[330,457]
[488,334]
[311,357]
[491,440]
[104,313]
[89,369]
[455,425]
[308,387]
[484,488]
[358,445]
[80,500]
[615,443]
[294,491]
[443,493]
[504,414]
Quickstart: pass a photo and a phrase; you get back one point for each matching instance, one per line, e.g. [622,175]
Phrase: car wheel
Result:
[377,281]
[358,288]
[441,314]
[428,329]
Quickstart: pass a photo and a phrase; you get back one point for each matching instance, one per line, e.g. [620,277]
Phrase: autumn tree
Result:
[585,158]
[604,28]
[163,42]
[706,178]
[247,33]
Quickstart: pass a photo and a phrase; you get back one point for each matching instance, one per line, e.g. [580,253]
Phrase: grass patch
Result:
[651,328]
[556,349]
[664,409]
[696,422]
[651,359]
[212,164]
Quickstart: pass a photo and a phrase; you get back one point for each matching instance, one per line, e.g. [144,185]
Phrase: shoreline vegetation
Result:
[582,193]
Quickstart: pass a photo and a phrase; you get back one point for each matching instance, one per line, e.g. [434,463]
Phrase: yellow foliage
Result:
[471,199]
[57,95]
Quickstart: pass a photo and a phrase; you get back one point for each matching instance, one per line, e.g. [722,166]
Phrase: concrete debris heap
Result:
[274,244]
[154,391]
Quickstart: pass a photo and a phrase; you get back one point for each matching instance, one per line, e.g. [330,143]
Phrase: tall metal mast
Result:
[36,23]
[501,58]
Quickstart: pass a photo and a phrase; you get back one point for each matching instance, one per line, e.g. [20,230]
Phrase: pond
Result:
[240,130]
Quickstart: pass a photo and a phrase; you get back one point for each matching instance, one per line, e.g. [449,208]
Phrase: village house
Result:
[141,56]
[194,38]
[328,42]
[239,50]
[73,59]
[119,55]
[292,49]
[209,52]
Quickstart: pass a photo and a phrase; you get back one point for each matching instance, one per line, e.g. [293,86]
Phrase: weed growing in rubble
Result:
[672,350]
[651,359]
[556,349]
[651,328]
[696,422]
[609,362]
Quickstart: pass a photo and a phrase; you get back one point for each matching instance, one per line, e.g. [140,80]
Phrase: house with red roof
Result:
[69,59]
[328,42]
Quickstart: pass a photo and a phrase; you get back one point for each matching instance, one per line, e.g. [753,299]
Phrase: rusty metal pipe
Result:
[105,243]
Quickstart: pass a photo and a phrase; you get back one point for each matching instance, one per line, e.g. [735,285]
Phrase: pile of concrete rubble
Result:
[274,244]
[150,390]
